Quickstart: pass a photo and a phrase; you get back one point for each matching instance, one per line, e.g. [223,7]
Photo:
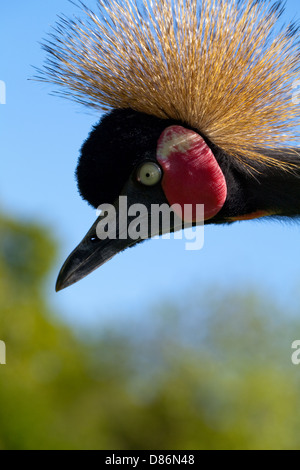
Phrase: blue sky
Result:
[40,136]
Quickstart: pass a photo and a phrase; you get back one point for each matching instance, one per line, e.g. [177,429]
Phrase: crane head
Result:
[134,162]
[202,111]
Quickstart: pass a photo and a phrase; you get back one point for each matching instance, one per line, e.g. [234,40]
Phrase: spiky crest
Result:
[221,67]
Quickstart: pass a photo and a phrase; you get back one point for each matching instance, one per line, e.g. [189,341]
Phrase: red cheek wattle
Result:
[192,175]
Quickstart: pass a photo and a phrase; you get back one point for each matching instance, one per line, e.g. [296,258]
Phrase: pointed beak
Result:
[90,254]
[115,230]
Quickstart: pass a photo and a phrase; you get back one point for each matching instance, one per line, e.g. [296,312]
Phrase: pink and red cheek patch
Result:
[191,173]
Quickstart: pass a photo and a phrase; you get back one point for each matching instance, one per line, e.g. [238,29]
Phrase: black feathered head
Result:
[203,101]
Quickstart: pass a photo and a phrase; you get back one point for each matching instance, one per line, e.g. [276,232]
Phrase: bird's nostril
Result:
[94,239]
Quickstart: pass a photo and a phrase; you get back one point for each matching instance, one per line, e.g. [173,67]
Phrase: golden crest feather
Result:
[221,67]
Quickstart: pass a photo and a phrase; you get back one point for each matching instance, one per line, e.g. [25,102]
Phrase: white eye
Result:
[149,174]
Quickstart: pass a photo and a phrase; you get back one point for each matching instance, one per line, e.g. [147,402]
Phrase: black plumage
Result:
[193,88]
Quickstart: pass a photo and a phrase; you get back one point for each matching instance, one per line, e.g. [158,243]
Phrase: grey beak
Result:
[90,254]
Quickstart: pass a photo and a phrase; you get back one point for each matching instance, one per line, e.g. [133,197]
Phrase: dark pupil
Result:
[148,175]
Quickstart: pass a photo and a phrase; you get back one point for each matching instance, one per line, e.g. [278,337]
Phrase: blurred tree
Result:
[210,373]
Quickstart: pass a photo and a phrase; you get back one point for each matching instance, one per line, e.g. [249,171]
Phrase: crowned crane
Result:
[201,108]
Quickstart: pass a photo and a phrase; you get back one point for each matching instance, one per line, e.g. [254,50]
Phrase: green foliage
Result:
[213,372]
